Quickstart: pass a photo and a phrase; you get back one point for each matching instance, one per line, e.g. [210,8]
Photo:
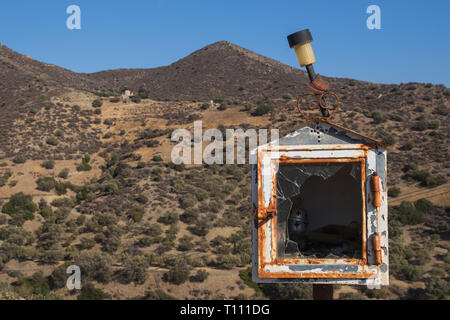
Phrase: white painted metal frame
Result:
[342,271]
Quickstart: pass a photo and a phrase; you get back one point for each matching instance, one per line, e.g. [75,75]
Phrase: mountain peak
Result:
[228,50]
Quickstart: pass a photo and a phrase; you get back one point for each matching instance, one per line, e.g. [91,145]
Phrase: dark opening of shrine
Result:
[320,210]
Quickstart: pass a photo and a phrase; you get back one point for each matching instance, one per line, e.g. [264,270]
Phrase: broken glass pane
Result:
[319,210]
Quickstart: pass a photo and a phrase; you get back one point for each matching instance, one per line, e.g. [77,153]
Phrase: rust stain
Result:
[321,148]
[261,236]
[261,239]
[317,275]
[376,242]
[376,191]
[315,261]
[364,213]
[285,159]
[274,206]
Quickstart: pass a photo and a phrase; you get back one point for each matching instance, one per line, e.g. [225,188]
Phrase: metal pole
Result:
[323,291]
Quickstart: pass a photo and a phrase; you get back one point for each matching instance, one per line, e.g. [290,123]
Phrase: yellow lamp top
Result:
[301,42]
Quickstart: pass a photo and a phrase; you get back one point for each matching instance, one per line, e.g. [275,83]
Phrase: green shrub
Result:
[200,276]
[136,215]
[52,255]
[407,146]
[422,124]
[21,206]
[189,216]
[143,92]
[261,110]
[246,276]
[16,235]
[87,243]
[176,167]
[85,166]
[185,243]
[187,201]
[58,277]
[63,202]
[228,262]
[157,158]
[5,177]
[81,220]
[407,214]
[97,103]
[46,212]
[222,107]
[141,165]
[158,295]
[375,293]
[412,273]
[389,140]
[19,159]
[434,124]
[64,173]
[142,199]
[136,99]
[46,184]
[395,117]
[424,205]
[379,117]
[52,140]
[411,172]
[49,164]
[135,269]
[351,296]
[177,274]
[201,229]
[437,287]
[289,291]
[394,192]
[89,292]
[145,241]
[169,218]
[13,183]
[95,266]
[405,261]
[36,285]
[441,109]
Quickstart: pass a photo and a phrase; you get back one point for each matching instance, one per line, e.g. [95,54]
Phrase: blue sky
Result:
[413,44]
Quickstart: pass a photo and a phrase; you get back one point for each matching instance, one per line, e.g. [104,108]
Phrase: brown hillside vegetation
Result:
[107,197]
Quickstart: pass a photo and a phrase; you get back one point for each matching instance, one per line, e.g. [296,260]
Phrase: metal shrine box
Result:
[320,208]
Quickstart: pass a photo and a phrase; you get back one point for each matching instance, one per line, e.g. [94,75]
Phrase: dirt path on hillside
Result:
[439,195]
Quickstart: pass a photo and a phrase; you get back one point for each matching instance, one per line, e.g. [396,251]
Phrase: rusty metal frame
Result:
[267,212]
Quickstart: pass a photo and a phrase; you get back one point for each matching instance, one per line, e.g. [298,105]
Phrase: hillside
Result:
[137,223]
